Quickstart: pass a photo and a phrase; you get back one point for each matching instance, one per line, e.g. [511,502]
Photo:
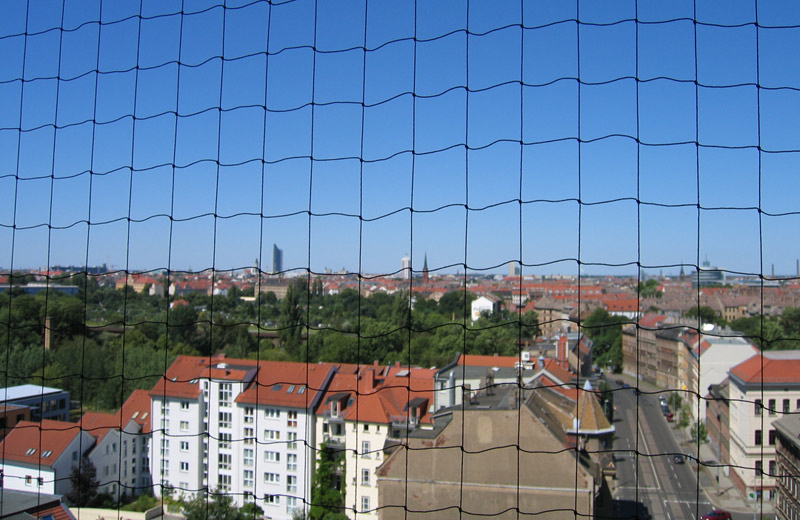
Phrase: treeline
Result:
[105,342]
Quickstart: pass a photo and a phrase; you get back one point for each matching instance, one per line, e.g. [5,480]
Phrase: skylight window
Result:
[301,390]
[135,414]
[277,388]
[47,453]
[30,451]
[290,389]
[144,415]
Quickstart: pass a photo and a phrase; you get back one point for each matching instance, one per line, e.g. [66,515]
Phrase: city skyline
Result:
[590,147]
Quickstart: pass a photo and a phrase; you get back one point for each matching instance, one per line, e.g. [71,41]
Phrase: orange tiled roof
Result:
[774,371]
[47,436]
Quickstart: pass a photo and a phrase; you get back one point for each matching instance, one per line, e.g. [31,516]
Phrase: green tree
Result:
[290,322]
[327,491]
[605,331]
[705,313]
[83,481]
[699,432]
[213,506]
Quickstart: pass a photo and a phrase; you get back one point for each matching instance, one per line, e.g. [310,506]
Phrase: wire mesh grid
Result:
[172,142]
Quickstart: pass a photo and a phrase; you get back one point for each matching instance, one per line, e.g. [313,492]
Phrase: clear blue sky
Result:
[549,172]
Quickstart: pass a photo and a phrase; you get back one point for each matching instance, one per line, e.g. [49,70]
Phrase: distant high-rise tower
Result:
[513,268]
[425,269]
[277,260]
[405,268]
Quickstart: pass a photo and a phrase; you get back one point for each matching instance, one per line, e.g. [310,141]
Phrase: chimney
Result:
[562,351]
[47,334]
[367,383]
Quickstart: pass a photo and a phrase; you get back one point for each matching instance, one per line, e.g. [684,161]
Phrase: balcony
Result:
[330,416]
[403,421]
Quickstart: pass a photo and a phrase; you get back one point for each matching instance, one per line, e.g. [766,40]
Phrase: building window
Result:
[272,435]
[224,461]
[758,468]
[272,456]
[164,448]
[291,419]
[225,419]
[772,409]
[292,441]
[272,478]
[225,394]
[184,467]
[272,500]
[364,504]
[757,407]
[772,435]
[224,441]
[758,438]
[291,504]
[248,478]
[184,426]
[249,436]
[184,406]
[365,477]
[786,406]
[291,462]
[291,484]
[366,427]
[184,445]
[365,449]
[248,457]
[772,468]
[271,413]
[225,483]
[249,416]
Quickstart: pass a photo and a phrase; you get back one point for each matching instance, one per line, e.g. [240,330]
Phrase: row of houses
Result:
[253,429]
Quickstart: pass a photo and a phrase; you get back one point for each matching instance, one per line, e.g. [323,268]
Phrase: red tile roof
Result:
[136,408]
[58,512]
[49,436]
[472,360]
[275,379]
[777,370]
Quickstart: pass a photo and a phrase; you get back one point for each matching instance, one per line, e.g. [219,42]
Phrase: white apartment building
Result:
[758,397]
[121,452]
[240,427]
[712,358]
[365,410]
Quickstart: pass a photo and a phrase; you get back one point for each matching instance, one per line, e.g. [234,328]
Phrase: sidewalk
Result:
[723,494]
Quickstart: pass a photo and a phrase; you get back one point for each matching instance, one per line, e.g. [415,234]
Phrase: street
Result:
[650,484]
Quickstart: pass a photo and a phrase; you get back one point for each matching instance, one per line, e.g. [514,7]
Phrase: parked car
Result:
[716,514]
[677,459]
[670,417]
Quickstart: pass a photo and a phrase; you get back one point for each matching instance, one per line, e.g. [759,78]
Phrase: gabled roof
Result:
[50,437]
[136,408]
[292,385]
[778,367]
[182,375]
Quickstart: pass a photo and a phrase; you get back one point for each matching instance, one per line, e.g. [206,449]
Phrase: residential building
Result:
[714,353]
[762,389]
[787,478]
[122,447]
[366,409]
[10,416]
[718,421]
[241,427]
[20,505]
[44,402]
[484,304]
[39,457]
[485,458]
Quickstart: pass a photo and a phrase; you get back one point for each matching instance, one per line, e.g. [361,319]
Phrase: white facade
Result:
[122,462]
[259,453]
[52,479]
[480,305]
[715,360]
[754,406]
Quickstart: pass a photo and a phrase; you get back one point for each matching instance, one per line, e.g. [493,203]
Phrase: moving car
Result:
[716,514]
[677,459]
